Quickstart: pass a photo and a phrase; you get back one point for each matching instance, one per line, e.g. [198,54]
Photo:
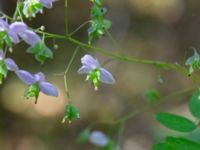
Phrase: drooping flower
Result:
[9,62]
[32,7]
[36,84]
[5,65]
[18,30]
[98,138]
[95,73]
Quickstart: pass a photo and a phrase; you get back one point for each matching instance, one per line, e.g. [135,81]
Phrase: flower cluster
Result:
[98,24]
[95,73]
[35,82]
[18,30]
[32,7]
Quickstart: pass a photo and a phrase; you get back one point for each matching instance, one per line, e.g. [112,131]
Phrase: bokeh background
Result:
[150,29]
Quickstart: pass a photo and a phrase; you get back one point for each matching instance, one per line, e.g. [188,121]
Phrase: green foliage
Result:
[193,62]
[98,24]
[194,104]
[40,51]
[172,143]
[3,71]
[5,39]
[71,113]
[94,77]
[152,95]
[32,91]
[175,122]
[83,136]
[111,146]
[32,7]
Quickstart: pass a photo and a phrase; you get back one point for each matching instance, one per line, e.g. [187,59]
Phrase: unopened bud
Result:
[42,28]
[55,46]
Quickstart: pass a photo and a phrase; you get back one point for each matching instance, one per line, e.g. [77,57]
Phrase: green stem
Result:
[67,70]
[77,29]
[66,18]
[143,109]
[116,56]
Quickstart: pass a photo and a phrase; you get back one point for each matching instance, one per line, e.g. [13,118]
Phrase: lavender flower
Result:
[19,30]
[98,138]
[3,25]
[46,3]
[32,7]
[9,62]
[37,79]
[95,72]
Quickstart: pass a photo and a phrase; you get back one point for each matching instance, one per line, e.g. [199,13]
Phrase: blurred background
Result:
[150,29]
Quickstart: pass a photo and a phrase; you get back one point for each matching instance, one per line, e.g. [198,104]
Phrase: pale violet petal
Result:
[18,27]
[106,77]
[11,65]
[3,25]
[46,3]
[89,62]
[14,37]
[48,89]
[98,138]
[30,37]
[25,77]
[39,77]
[84,69]
[2,55]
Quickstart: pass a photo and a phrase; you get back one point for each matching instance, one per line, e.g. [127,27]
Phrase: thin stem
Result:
[117,56]
[133,114]
[20,15]
[66,18]
[67,70]
[163,99]
[112,39]
[77,29]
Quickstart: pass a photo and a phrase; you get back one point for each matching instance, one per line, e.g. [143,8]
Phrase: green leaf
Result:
[97,2]
[111,146]
[194,104]
[83,136]
[175,122]
[172,143]
[71,113]
[5,39]
[152,95]
[97,11]
[3,71]
[40,51]
[32,91]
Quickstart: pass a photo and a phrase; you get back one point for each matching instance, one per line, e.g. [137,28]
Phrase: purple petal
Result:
[39,77]
[25,77]
[30,37]
[106,77]
[2,55]
[48,89]
[84,69]
[46,3]
[89,62]
[3,25]
[18,27]
[14,37]
[98,138]
[11,65]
